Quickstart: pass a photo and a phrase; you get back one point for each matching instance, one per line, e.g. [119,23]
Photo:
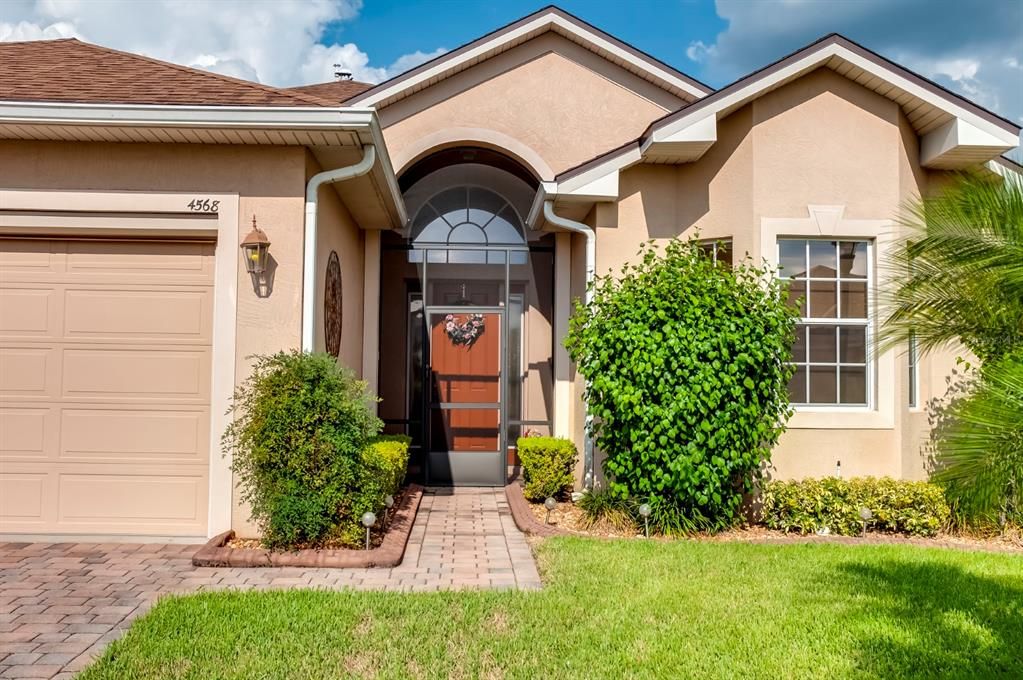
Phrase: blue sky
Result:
[389,29]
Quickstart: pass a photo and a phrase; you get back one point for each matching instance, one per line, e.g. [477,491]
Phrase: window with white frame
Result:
[719,250]
[914,373]
[829,281]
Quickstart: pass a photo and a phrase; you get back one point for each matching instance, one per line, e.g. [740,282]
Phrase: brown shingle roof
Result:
[335,91]
[69,70]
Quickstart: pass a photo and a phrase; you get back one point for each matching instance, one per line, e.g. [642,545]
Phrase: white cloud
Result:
[973,48]
[276,43]
[700,51]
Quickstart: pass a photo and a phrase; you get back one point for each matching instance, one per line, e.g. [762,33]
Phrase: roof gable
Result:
[73,71]
[954,131]
[547,19]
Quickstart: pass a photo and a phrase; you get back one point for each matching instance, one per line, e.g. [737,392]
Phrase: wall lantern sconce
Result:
[256,247]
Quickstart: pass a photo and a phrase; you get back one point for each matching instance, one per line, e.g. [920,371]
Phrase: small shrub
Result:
[602,508]
[547,466]
[686,365]
[904,507]
[299,439]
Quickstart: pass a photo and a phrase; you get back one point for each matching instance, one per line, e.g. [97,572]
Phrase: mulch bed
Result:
[567,520]
[224,550]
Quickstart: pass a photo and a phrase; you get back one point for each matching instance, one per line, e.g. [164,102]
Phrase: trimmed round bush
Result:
[547,464]
[686,368]
[299,444]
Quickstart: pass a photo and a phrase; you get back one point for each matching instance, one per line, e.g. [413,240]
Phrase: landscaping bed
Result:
[568,519]
[387,545]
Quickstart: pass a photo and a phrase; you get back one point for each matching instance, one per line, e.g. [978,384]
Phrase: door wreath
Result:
[464,333]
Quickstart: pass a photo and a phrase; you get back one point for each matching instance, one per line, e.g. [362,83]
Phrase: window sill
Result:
[840,418]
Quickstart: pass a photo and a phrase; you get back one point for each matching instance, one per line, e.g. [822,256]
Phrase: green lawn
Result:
[614,609]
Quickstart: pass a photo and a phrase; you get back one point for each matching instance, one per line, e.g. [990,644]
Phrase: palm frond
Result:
[957,276]
[980,450]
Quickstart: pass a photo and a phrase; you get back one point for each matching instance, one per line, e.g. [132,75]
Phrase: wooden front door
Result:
[465,386]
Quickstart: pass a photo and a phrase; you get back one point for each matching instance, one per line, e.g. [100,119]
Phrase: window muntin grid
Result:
[830,281]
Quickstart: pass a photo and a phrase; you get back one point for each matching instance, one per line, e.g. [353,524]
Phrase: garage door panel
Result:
[133,503]
[137,315]
[28,433]
[29,313]
[135,436]
[105,365]
[22,499]
[169,376]
[171,262]
[29,372]
[30,256]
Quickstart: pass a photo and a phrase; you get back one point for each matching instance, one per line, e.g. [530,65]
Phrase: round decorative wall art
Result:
[332,306]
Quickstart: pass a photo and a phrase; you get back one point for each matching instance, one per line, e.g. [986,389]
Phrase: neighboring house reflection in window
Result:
[829,281]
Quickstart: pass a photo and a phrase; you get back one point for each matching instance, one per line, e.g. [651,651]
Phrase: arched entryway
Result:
[466,317]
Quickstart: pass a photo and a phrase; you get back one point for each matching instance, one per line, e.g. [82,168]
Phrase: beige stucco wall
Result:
[337,231]
[548,102]
[821,140]
[270,183]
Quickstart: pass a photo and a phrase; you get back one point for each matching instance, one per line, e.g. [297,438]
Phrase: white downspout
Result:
[369,156]
[591,265]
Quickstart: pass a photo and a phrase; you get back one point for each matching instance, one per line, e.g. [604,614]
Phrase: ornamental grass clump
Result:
[686,366]
[302,450]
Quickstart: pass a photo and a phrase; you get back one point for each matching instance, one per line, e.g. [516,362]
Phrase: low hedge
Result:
[547,466]
[903,507]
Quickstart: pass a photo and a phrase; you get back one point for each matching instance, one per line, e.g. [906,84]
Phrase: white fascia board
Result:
[543,192]
[956,134]
[687,142]
[146,115]
[387,170]
[362,121]
[602,178]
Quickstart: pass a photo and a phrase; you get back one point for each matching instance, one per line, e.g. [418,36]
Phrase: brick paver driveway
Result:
[60,604]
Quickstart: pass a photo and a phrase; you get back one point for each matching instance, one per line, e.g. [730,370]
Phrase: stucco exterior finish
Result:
[554,100]
[820,140]
[270,183]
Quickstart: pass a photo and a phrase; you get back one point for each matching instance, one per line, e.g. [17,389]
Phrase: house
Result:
[431,232]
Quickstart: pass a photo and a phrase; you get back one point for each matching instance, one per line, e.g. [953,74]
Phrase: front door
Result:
[466,434]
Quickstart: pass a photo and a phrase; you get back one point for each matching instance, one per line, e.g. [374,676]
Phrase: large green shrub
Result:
[547,465]
[686,370]
[904,507]
[299,446]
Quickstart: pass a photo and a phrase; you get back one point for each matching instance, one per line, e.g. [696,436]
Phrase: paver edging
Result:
[389,553]
[524,518]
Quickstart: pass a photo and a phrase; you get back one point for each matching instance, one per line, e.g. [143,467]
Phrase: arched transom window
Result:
[466,216]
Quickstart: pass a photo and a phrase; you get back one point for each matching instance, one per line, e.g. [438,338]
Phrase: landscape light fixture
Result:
[644,510]
[865,515]
[368,520]
[550,504]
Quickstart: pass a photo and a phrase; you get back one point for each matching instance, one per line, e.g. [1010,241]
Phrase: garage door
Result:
[104,386]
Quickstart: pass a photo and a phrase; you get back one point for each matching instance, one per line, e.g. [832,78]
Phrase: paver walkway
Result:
[61,604]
